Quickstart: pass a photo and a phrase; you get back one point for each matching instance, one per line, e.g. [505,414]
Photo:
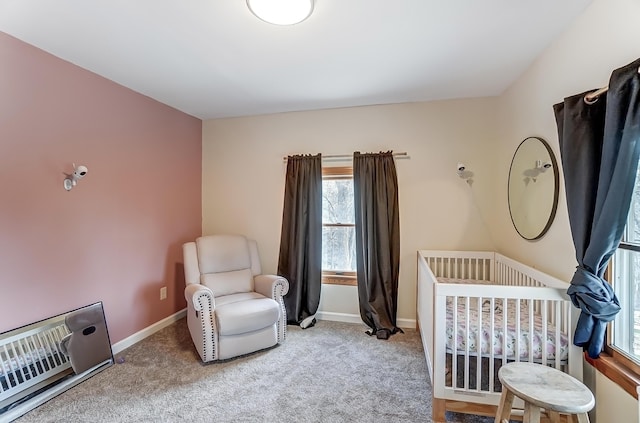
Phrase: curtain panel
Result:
[300,259]
[375,185]
[599,146]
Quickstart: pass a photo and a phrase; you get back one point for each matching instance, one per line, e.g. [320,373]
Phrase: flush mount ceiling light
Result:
[281,12]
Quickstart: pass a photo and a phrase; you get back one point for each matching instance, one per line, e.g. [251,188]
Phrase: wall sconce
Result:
[533,173]
[542,166]
[463,173]
[73,178]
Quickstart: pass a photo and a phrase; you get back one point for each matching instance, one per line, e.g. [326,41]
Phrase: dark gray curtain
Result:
[375,186]
[300,258]
[599,146]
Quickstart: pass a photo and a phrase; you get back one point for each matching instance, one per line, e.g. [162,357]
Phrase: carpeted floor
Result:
[332,372]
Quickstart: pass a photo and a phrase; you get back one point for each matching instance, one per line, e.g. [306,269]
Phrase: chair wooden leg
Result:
[554,416]
[504,409]
[531,413]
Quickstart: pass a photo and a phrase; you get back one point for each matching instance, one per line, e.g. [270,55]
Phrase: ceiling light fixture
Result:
[281,12]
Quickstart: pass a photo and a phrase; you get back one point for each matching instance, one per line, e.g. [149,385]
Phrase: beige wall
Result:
[243,173]
[605,37]
[243,176]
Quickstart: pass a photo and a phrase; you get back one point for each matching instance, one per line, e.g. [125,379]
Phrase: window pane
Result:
[632,232]
[337,201]
[626,326]
[339,248]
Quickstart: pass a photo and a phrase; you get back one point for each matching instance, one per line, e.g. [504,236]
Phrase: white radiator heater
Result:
[43,359]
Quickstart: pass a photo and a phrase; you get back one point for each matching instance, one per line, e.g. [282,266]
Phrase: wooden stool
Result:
[542,387]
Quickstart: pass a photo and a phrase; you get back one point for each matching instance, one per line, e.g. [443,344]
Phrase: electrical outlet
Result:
[163,293]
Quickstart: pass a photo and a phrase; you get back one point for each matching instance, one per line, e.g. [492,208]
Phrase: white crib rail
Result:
[511,272]
[468,299]
[478,265]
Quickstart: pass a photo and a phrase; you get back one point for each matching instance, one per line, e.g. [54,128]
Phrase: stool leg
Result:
[554,416]
[531,413]
[583,418]
[504,409]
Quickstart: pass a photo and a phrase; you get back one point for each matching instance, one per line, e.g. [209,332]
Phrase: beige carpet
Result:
[332,372]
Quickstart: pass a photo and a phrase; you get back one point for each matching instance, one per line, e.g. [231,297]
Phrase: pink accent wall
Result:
[116,237]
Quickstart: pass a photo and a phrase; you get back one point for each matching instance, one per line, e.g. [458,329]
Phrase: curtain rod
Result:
[593,97]
[341,157]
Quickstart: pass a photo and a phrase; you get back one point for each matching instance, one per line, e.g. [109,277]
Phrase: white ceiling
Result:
[213,58]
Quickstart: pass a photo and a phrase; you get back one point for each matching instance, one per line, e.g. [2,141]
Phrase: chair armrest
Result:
[271,286]
[195,293]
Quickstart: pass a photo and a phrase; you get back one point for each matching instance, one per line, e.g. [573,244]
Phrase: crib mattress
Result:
[496,343]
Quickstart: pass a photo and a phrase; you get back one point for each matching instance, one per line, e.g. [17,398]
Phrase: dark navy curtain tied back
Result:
[599,145]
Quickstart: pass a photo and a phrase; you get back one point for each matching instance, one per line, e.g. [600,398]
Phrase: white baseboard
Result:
[406,323]
[148,331]
[355,318]
[321,315]
[338,317]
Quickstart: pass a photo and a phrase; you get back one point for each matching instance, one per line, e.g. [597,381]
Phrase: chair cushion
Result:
[245,312]
[228,282]
[223,253]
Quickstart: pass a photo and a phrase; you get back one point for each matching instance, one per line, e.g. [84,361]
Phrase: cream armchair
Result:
[231,308]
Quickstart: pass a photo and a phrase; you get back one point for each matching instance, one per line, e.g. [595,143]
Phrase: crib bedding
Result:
[514,338]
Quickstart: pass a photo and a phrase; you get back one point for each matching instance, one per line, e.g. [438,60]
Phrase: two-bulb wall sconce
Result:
[72,179]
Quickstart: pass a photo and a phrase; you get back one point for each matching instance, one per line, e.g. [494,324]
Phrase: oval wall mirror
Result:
[533,188]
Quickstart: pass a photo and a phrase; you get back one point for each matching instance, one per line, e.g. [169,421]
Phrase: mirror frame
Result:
[556,190]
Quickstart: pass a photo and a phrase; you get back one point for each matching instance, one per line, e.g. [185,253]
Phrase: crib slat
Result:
[505,315]
[532,333]
[466,343]
[545,324]
[492,315]
[39,353]
[35,353]
[454,354]
[60,333]
[479,346]
[19,369]
[517,322]
[24,352]
[558,340]
[6,364]
[49,350]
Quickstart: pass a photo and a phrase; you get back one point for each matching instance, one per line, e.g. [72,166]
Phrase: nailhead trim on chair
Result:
[207,320]
[277,294]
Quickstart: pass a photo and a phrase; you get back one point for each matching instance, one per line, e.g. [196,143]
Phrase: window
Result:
[621,360]
[338,226]
[625,336]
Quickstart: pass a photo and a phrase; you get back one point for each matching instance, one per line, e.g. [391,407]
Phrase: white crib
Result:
[479,310]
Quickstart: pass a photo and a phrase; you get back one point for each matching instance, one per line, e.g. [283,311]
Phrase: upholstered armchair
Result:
[232,309]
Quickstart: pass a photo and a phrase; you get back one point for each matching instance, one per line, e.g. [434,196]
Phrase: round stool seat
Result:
[546,387]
